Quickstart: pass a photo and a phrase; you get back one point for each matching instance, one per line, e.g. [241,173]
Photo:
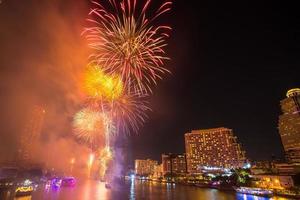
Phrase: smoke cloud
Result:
[42,55]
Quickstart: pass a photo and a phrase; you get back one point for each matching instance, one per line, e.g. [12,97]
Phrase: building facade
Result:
[273,181]
[145,167]
[174,163]
[158,171]
[289,125]
[216,147]
[30,135]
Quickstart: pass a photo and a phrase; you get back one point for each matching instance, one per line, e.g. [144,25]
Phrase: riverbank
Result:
[278,193]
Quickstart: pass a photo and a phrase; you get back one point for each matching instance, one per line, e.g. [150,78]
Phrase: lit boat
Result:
[254,191]
[68,181]
[25,188]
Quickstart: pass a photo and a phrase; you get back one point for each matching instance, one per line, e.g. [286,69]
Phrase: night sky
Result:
[231,61]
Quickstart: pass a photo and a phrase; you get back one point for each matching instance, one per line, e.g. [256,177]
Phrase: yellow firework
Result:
[105,156]
[97,84]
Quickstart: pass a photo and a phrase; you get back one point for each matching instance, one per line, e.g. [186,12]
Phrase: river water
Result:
[132,190]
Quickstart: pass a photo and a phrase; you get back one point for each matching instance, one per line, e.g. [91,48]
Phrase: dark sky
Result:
[231,62]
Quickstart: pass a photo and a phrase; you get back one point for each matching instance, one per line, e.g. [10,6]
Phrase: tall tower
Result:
[30,135]
[289,125]
[215,147]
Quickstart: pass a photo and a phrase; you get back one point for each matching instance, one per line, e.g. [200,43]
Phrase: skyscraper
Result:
[289,125]
[173,163]
[216,147]
[30,134]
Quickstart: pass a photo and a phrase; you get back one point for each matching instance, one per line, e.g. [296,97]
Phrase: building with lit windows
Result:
[216,147]
[30,135]
[173,163]
[158,172]
[289,125]
[145,167]
[273,181]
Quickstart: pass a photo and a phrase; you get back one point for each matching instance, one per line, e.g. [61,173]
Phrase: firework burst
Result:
[127,43]
[99,85]
[130,112]
[92,127]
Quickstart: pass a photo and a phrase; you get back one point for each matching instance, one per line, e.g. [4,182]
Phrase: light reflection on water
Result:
[251,197]
[134,190]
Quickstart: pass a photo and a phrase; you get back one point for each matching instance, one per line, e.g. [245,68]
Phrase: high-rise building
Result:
[30,135]
[158,172]
[145,167]
[173,163]
[289,125]
[216,147]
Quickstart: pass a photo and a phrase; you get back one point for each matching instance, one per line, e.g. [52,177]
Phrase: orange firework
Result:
[91,126]
[97,84]
[127,43]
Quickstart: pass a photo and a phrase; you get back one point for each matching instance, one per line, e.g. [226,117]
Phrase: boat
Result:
[68,182]
[24,188]
[254,191]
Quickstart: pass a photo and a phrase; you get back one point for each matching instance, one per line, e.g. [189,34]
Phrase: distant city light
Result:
[247,166]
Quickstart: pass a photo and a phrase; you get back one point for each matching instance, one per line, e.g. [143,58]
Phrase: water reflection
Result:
[251,197]
[23,198]
[94,190]
[132,192]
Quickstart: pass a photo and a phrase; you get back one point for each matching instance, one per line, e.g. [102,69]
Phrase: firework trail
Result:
[127,43]
[105,156]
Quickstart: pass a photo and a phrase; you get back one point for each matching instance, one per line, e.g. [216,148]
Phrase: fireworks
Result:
[127,61]
[91,126]
[99,85]
[130,112]
[126,43]
[105,157]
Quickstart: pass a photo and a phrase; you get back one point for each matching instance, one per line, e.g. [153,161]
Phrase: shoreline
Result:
[277,193]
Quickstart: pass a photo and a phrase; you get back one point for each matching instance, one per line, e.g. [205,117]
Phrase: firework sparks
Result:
[90,164]
[126,42]
[127,62]
[129,112]
[97,84]
[91,126]
[105,157]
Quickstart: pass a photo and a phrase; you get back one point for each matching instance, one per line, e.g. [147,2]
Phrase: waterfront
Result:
[87,190]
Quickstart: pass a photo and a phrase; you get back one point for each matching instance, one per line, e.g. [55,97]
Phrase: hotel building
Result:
[173,163]
[145,167]
[289,125]
[216,147]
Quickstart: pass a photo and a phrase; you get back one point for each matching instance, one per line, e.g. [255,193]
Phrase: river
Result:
[132,190]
